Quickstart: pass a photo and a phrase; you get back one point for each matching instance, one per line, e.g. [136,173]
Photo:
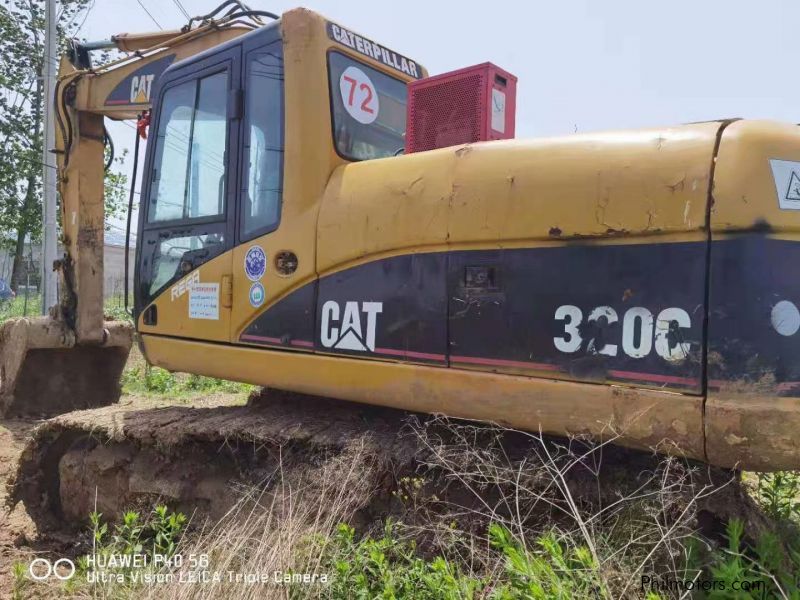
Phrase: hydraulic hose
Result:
[130,211]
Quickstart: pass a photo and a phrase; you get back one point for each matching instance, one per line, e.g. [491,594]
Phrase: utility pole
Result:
[49,236]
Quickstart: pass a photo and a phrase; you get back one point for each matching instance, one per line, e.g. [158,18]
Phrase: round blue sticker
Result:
[256,294]
[255,263]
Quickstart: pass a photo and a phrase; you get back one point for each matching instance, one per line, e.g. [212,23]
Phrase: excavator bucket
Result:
[44,372]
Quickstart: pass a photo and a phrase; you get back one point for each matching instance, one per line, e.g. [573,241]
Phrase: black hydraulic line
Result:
[238,9]
[57,112]
[68,137]
[130,211]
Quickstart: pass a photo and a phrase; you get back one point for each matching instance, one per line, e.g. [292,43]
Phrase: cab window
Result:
[263,143]
[189,166]
[368,109]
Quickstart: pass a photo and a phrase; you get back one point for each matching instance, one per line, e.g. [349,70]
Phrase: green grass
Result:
[389,567]
[17,307]
[145,380]
[114,308]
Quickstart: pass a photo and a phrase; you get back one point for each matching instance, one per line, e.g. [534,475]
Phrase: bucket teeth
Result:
[44,372]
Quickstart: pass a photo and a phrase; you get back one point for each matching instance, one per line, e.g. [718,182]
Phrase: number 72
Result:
[363,88]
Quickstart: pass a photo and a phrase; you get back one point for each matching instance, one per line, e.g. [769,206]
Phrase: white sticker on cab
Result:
[204,301]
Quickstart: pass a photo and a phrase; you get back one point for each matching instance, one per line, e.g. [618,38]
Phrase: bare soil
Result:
[21,537]
[17,530]
[194,454]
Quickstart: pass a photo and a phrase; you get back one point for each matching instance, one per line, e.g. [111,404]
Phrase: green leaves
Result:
[765,571]
[389,567]
[167,529]
[21,116]
[548,572]
[779,494]
[162,532]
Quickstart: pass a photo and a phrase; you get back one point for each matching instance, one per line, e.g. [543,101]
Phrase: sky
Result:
[582,65]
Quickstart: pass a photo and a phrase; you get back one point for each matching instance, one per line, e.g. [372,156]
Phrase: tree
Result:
[21,119]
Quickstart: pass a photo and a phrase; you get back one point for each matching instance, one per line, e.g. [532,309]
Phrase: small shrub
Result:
[389,568]
[127,537]
[779,494]
[770,570]
[162,533]
[167,529]
[551,572]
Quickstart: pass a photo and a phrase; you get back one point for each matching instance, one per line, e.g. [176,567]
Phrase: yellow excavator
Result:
[635,284]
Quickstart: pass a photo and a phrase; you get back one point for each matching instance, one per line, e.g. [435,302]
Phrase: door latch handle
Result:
[227,291]
[480,278]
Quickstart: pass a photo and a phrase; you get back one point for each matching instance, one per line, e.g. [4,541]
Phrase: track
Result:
[195,458]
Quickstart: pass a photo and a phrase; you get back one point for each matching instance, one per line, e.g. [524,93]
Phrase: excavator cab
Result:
[228,203]
[244,139]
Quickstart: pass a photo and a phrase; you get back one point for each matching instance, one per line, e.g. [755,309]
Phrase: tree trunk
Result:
[19,257]
[18,273]
[25,226]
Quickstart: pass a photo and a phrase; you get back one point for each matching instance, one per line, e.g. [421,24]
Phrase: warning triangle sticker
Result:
[793,193]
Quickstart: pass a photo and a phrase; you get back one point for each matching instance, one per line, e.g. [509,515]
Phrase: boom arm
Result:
[83,97]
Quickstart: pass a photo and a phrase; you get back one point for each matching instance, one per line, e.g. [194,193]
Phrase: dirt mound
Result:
[201,460]
[195,458]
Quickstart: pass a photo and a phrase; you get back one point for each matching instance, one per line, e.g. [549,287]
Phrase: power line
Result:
[85,16]
[41,164]
[180,7]
[149,15]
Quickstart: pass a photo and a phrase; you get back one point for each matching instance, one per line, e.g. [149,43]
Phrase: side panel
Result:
[289,323]
[753,406]
[393,308]
[629,313]
[754,321]
[623,313]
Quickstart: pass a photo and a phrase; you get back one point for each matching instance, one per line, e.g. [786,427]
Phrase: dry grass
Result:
[633,512]
[272,528]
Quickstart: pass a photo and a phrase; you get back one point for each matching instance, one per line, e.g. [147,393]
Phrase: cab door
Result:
[188,204]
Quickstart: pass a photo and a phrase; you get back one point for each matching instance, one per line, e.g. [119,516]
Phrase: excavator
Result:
[629,284]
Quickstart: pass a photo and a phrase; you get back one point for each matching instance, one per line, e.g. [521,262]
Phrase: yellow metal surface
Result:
[94,87]
[746,422]
[744,189]
[638,418]
[131,42]
[620,186]
[83,223]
